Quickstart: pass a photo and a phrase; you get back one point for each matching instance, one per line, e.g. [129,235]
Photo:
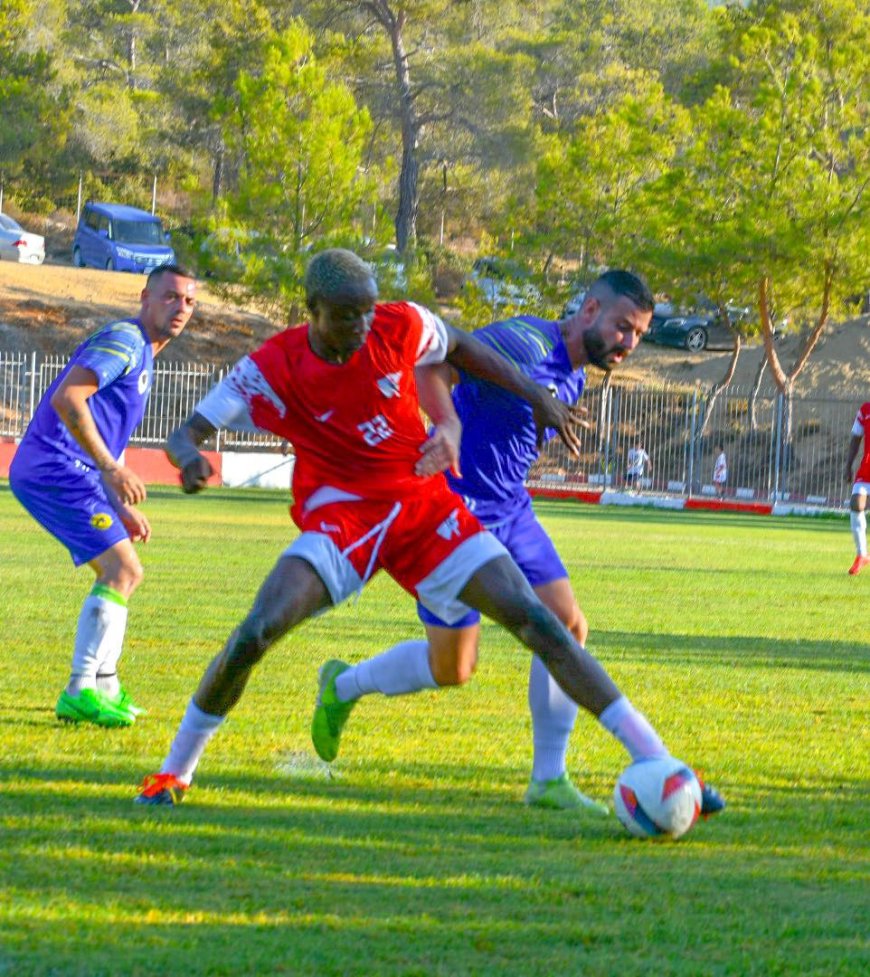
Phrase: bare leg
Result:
[291,593]
[501,592]
[452,653]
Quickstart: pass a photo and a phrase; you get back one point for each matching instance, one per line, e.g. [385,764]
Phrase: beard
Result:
[596,349]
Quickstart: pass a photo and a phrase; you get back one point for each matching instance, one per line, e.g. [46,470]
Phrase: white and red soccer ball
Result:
[657,798]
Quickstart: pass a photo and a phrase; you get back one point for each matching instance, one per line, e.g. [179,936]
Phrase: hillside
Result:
[49,309]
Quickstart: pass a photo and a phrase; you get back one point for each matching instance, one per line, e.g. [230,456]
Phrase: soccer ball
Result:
[657,798]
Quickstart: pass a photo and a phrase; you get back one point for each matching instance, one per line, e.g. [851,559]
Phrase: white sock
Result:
[401,669]
[99,638]
[196,729]
[858,521]
[633,730]
[553,715]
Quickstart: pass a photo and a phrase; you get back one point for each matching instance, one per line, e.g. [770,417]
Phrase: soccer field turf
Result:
[742,638]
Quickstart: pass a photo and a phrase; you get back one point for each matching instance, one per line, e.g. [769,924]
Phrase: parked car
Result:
[692,332]
[120,238]
[16,244]
[574,304]
[504,282]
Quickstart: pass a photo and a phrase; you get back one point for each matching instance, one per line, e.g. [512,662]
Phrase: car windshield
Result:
[138,232]
[8,224]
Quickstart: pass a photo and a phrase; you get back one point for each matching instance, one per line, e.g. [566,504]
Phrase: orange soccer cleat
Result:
[161,788]
[858,565]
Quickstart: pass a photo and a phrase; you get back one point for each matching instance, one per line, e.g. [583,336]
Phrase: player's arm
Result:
[70,401]
[226,405]
[182,449]
[469,354]
[441,451]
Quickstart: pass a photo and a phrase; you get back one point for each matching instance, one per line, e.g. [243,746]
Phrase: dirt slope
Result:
[50,308]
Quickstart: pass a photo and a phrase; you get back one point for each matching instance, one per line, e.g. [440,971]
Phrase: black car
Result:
[692,332]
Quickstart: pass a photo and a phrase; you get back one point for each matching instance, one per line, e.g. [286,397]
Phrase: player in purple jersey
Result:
[68,474]
[498,447]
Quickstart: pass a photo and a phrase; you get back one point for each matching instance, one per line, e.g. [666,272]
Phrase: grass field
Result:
[743,639]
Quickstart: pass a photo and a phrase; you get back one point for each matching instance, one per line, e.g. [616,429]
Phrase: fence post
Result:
[79,198]
[154,195]
[217,436]
[32,404]
[691,479]
[778,446]
[2,186]
[606,416]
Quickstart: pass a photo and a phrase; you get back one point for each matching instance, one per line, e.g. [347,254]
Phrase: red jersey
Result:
[356,426]
[862,422]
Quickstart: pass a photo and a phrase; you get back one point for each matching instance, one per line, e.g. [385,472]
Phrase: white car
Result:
[16,244]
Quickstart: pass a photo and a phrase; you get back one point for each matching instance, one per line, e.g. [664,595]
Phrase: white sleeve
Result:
[227,404]
[858,427]
[433,341]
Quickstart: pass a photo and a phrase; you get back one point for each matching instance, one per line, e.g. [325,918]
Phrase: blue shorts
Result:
[531,549]
[72,505]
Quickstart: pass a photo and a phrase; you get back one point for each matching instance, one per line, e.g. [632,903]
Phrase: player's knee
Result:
[124,578]
[248,644]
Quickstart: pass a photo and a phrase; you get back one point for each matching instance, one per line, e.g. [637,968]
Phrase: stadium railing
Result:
[776,449]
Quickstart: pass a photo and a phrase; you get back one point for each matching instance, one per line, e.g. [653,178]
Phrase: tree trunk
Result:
[131,45]
[409,190]
[217,180]
[785,382]
[719,386]
[753,396]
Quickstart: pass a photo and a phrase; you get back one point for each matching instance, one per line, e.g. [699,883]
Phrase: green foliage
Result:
[417,856]
[34,117]
[300,138]
[772,182]
[590,186]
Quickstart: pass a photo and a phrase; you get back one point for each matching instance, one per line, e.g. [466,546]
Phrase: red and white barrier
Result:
[269,470]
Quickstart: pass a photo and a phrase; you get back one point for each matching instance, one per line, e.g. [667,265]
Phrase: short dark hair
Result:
[334,274]
[173,269]
[621,282]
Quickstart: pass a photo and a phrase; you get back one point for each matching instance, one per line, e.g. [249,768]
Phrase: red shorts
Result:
[431,545]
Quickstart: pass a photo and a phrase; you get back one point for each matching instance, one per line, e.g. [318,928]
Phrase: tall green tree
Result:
[34,116]
[301,138]
[591,186]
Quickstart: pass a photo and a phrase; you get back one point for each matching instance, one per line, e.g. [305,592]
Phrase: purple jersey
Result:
[121,357]
[499,439]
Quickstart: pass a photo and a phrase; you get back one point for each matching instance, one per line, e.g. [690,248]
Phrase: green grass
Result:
[742,638]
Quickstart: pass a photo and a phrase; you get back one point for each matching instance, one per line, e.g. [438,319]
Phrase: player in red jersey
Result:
[369,495]
[860,487]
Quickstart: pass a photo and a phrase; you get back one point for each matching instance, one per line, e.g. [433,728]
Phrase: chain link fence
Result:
[775,450]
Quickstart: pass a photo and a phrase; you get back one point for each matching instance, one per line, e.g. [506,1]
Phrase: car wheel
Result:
[110,265]
[77,258]
[696,339]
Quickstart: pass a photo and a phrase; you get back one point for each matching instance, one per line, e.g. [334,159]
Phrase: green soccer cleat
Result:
[163,789]
[561,795]
[125,703]
[330,714]
[92,706]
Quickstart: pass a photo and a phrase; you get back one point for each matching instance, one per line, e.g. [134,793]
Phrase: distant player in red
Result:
[860,487]
[368,495]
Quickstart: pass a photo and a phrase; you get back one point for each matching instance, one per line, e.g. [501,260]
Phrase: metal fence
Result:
[775,450]
[176,388]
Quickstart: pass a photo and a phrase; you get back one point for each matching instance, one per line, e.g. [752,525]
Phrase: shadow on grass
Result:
[684,651]
[255,875]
